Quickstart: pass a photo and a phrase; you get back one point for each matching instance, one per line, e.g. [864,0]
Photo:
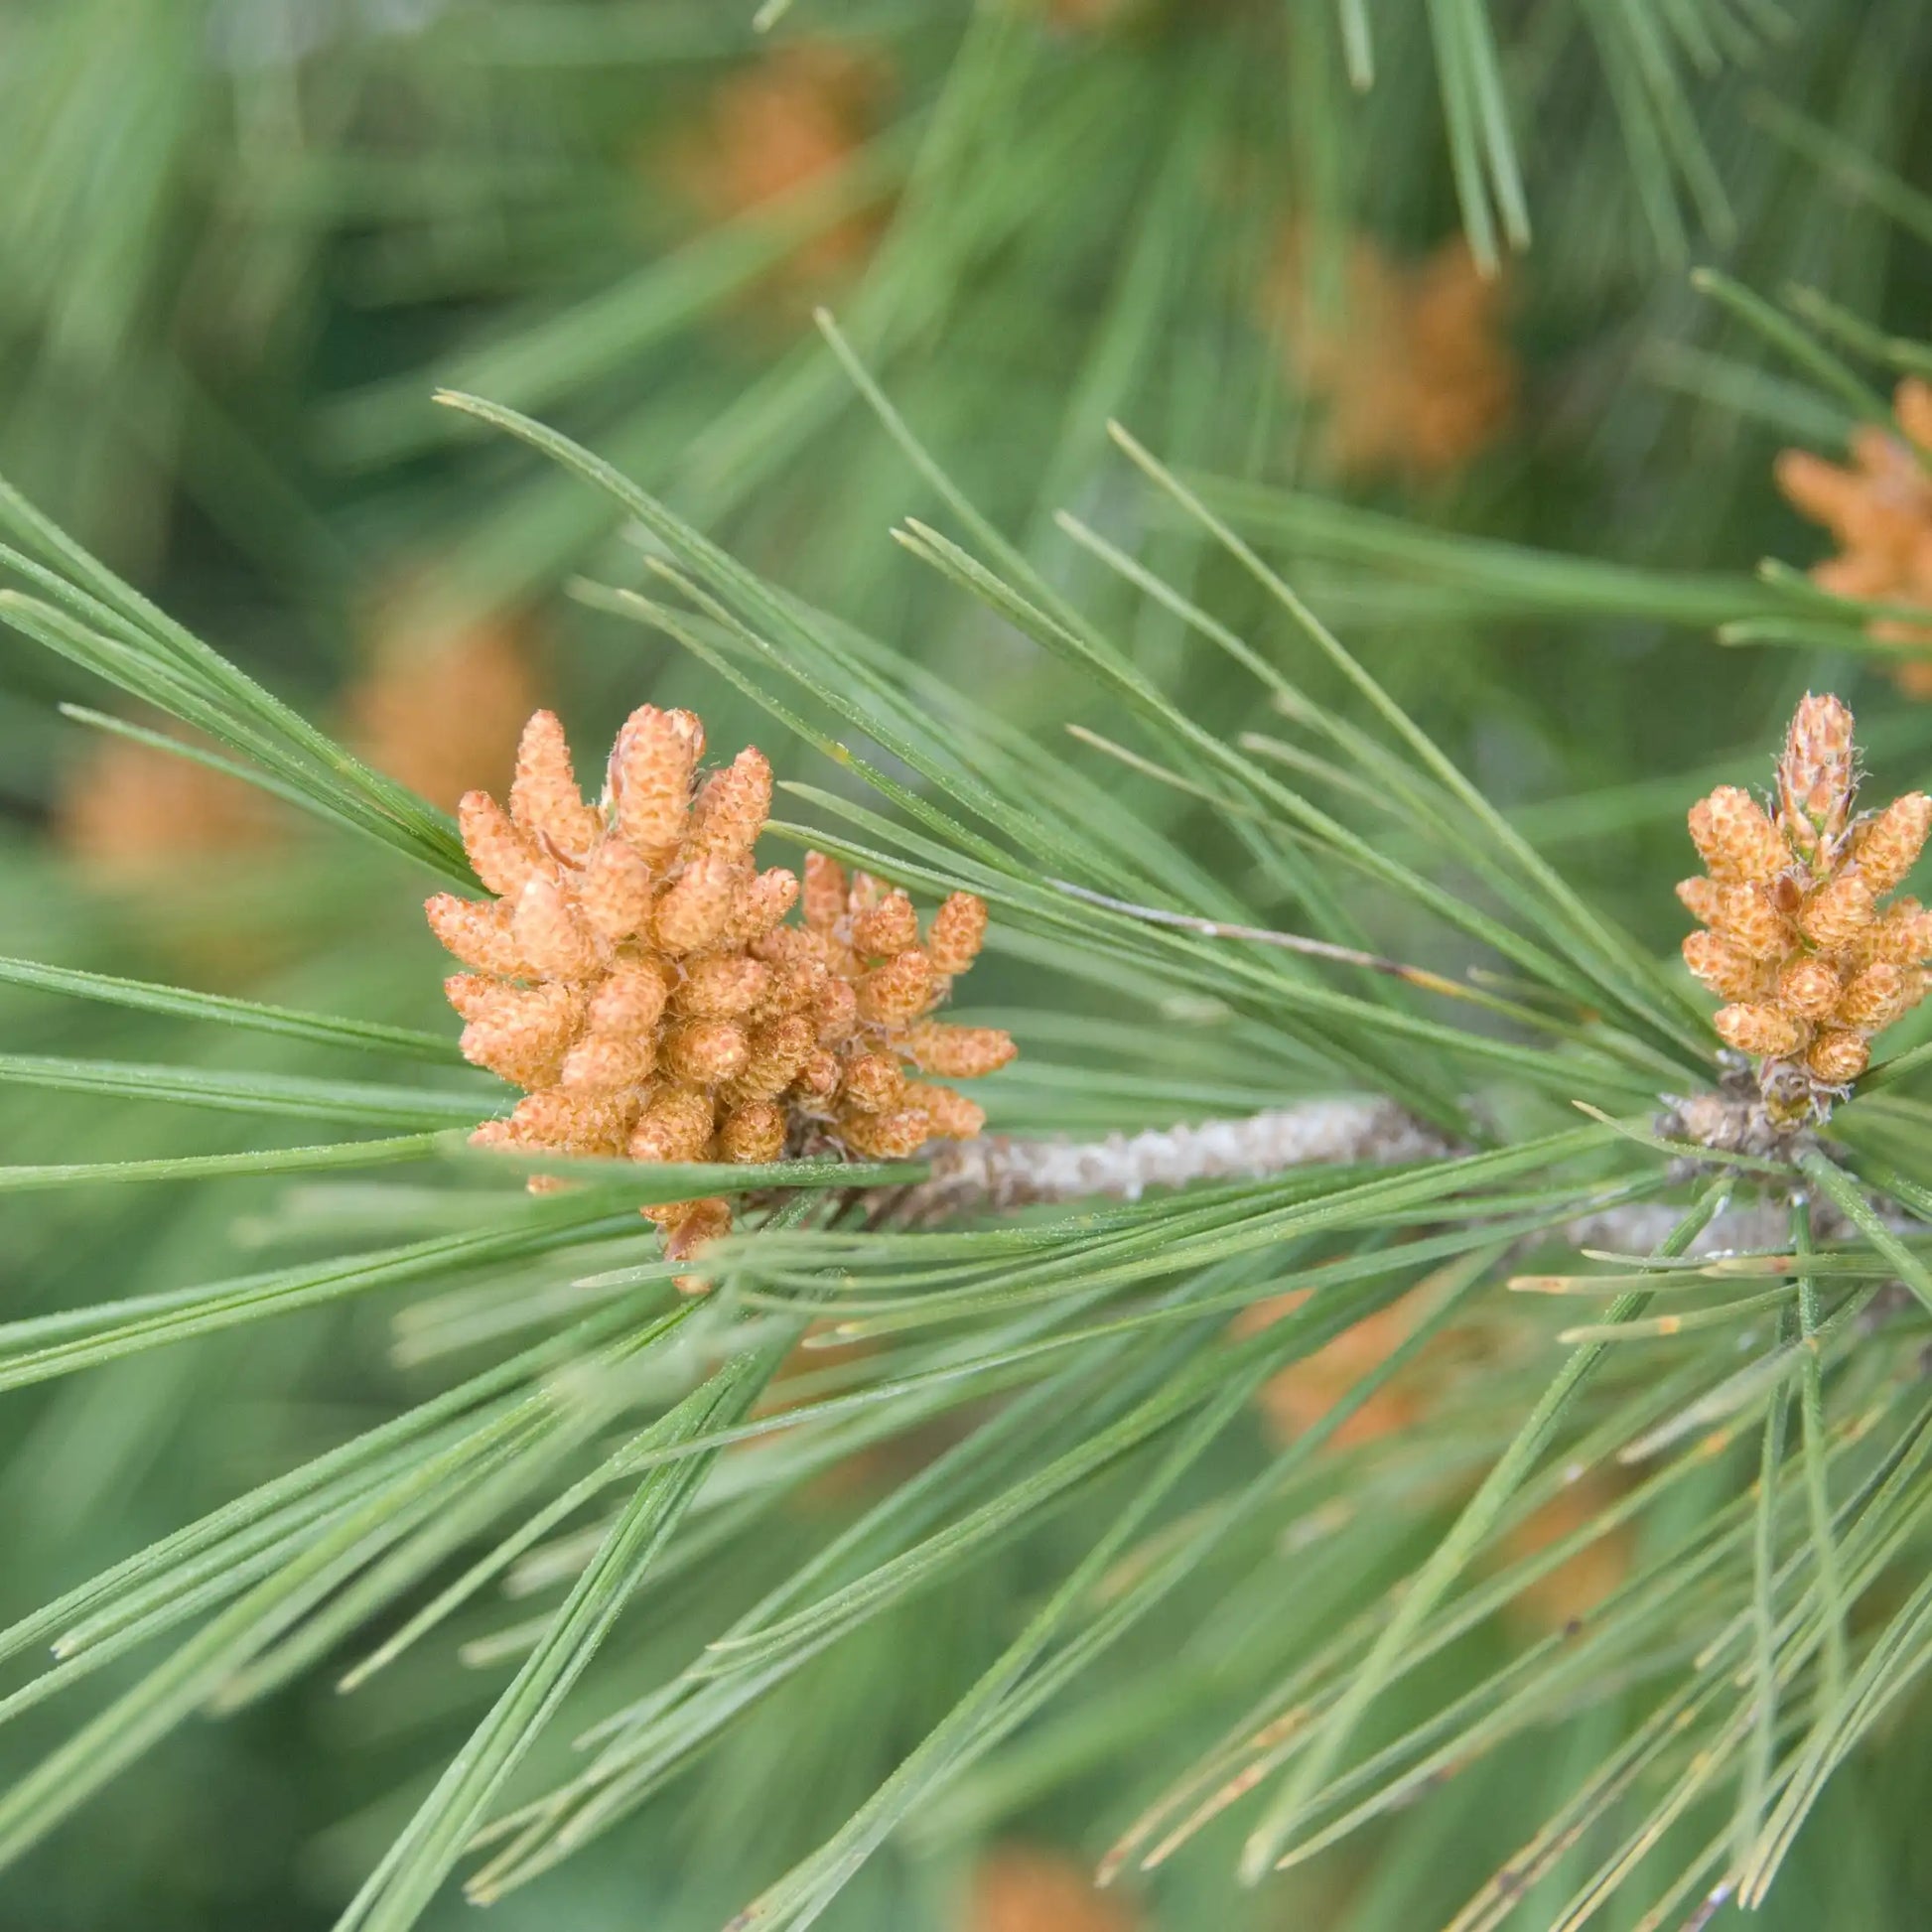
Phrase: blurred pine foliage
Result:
[240,247]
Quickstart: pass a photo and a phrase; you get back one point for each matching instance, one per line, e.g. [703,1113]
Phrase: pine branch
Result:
[996,1173]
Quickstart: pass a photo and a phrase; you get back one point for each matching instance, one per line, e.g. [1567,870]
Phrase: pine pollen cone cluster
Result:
[1878,507]
[1410,359]
[1795,935]
[636,977]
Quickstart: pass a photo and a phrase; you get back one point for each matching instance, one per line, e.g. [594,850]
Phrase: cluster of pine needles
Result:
[1385,1407]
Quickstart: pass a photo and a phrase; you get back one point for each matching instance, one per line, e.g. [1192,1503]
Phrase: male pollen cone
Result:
[634,974]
